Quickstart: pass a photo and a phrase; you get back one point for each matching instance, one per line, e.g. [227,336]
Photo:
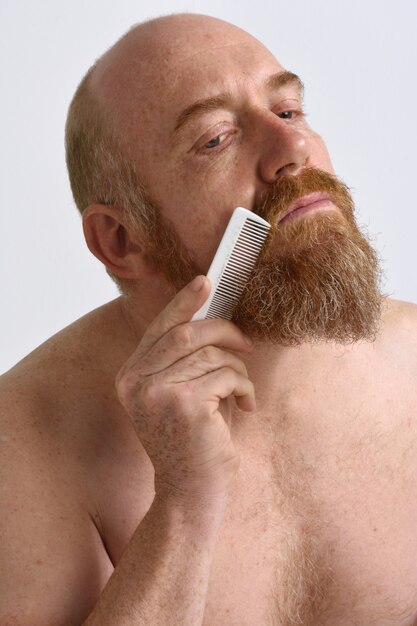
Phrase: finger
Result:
[181,309]
[225,408]
[247,404]
[186,339]
[223,383]
[204,361]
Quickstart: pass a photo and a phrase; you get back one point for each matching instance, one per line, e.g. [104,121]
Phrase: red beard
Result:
[317,278]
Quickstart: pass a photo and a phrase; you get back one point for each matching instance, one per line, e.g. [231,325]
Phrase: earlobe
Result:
[109,240]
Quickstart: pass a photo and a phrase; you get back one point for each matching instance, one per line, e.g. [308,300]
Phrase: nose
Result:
[285,149]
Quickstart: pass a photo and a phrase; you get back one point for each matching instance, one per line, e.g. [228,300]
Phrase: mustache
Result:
[276,200]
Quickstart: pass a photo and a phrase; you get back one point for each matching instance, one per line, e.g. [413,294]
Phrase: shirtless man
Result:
[160,471]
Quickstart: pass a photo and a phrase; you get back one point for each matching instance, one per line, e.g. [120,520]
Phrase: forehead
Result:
[153,76]
[221,67]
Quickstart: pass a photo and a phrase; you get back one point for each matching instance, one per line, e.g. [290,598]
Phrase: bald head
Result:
[114,108]
[150,52]
[116,99]
[139,123]
[154,60]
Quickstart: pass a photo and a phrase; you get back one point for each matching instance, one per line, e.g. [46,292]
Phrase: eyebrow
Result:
[202,106]
[281,79]
[276,81]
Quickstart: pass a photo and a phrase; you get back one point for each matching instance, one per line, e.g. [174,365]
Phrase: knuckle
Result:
[124,385]
[228,326]
[181,396]
[240,367]
[230,371]
[128,376]
[251,387]
[209,353]
[134,391]
[118,381]
[243,381]
[183,337]
[174,396]
[149,392]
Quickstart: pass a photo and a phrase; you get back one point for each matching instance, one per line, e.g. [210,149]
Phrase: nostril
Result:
[289,169]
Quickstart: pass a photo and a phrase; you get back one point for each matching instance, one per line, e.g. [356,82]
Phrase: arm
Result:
[176,389]
[54,570]
[53,566]
[162,577]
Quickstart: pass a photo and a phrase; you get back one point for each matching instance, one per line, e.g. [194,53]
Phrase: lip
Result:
[312,202]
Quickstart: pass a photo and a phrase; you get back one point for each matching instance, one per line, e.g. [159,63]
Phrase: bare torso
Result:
[320,527]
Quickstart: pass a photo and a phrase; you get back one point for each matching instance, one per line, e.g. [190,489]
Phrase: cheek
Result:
[201,200]
[199,215]
[224,184]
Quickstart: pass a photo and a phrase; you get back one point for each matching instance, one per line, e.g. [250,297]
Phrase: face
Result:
[225,127]
[214,121]
[317,277]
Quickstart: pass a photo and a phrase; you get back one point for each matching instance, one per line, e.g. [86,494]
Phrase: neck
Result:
[275,370]
[282,376]
[268,365]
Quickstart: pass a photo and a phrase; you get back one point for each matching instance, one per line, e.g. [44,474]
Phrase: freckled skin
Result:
[321,512]
[206,188]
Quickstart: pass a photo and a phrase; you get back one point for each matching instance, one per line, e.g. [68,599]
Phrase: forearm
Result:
[162,577]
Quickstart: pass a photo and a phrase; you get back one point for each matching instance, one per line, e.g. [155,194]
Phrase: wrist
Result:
[203,513]
[192,500]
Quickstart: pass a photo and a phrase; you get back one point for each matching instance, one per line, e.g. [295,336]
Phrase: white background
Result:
[358,60]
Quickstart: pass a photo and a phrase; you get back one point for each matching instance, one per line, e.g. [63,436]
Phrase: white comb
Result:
[233,263]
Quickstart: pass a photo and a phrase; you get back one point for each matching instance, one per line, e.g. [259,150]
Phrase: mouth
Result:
[311,203]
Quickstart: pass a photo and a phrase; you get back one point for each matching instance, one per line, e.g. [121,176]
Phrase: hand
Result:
[177,388]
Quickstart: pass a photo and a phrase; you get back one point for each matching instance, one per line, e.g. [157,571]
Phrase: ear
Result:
[110,241]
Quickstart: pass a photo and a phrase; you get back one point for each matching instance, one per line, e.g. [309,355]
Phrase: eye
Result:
[216,141]
[286,115]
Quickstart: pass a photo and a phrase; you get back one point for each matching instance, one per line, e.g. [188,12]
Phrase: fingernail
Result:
[197,283]
[248,340]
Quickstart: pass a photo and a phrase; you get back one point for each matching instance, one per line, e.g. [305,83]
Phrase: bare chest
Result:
[321,537]
[320,528]
[317,535]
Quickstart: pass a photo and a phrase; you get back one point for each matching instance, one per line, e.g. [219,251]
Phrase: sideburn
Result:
[168,252]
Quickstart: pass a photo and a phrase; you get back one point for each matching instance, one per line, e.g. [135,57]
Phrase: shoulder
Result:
[48,530]
[61,368]
[400,317]
[60,406]
[76,480]
[46,397]
[398,340]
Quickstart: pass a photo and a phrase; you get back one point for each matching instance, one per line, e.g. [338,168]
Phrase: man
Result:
[261,471]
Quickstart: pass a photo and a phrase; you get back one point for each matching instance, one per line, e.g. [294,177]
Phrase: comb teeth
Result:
[237,270]
[233,263]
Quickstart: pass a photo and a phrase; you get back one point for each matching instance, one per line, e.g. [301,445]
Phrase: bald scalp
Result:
[102,156]
[110,109]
